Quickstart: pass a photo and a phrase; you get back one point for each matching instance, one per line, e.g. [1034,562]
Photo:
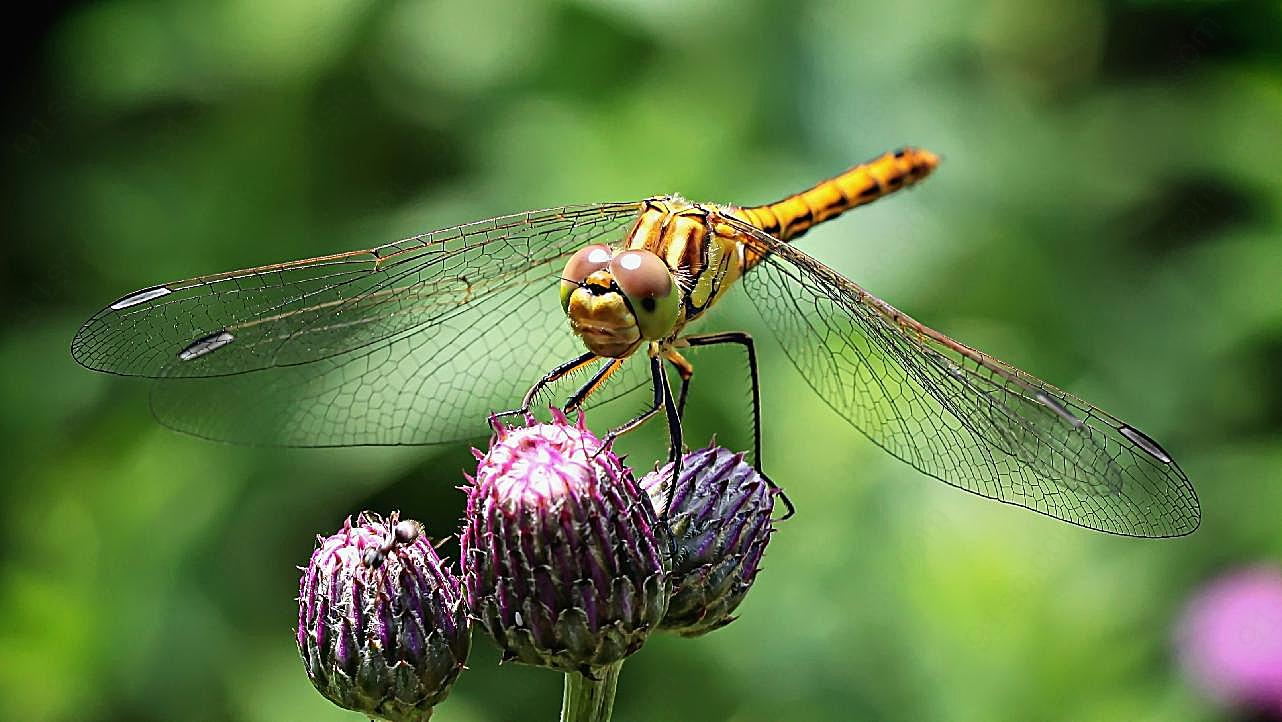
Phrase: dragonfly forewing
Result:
[303,311]
[409,343]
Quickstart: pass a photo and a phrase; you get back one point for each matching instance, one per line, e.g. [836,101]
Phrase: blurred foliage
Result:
[1107,216]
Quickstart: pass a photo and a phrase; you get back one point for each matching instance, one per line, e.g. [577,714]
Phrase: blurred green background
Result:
[1107,216]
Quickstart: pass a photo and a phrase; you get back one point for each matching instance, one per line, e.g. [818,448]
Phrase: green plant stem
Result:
[590,700]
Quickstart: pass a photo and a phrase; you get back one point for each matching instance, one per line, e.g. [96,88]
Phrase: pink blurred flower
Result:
[1231,639]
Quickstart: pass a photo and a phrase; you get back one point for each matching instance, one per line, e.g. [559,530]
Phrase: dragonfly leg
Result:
[660,383]
[686,370]
[550,377]
[675,433]
[663,401]
[745,340]
[594,383]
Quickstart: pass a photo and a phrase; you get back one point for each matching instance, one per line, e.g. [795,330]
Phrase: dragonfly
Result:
[418,341]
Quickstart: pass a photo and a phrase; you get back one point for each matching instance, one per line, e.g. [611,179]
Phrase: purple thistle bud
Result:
[560,556]
[383,628]
[720,522]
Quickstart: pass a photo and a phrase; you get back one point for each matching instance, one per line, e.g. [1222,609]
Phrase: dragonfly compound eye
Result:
[647,282]
[583,263]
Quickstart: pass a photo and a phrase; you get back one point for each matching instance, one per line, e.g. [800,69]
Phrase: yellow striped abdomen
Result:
[865,183]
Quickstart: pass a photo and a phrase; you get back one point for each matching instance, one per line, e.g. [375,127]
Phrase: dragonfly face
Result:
[418,341]
[616,299]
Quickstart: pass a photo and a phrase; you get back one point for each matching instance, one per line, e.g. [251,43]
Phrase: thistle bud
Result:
[560,557]
[719,518]
[383,628]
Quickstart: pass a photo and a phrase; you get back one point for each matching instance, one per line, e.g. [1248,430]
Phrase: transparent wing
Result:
[962,416]
[411,343]
[304,311]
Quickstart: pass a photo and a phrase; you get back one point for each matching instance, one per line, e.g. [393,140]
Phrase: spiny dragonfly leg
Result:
[662,401]
[659,381]
[745,340]
[594,383]
[550,377]
[675,434]
[685,370]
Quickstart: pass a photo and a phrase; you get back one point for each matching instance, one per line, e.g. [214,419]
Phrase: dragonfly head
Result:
[617,299]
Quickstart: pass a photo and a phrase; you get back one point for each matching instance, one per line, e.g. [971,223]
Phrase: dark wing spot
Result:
[1147,444]
[140,297]
[1055,406]
[205,345]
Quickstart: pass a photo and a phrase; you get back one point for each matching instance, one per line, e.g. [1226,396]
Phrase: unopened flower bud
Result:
[383,628]
[720,520]
[560,556]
